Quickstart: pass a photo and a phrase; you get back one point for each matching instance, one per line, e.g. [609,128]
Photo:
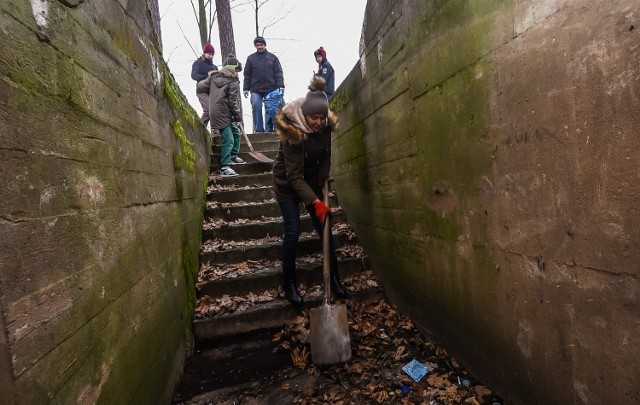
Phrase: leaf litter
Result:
[382,340]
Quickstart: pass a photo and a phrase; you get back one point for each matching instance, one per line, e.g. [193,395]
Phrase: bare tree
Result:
[225,28]
[271,20]
[204,23]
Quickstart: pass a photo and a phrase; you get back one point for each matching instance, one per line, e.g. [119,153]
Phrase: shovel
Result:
[257,155]
[329,331]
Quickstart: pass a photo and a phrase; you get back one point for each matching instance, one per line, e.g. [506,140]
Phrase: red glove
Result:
[321,211]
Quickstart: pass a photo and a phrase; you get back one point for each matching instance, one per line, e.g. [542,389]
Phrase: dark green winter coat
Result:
[304,158]
[224,97]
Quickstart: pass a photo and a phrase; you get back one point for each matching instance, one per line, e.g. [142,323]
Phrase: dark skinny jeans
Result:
[291,218]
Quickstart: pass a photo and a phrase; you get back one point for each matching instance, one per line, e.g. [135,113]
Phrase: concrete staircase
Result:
[240,299]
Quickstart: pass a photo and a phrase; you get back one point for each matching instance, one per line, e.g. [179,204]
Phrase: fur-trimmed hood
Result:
[291,126]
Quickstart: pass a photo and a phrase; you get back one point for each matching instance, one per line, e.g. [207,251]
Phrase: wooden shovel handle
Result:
[246,138]
[326,265]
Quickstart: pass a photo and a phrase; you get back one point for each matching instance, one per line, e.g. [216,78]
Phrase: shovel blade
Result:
[329,334]
[261,157]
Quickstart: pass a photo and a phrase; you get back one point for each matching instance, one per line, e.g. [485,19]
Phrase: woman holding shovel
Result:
[299,171]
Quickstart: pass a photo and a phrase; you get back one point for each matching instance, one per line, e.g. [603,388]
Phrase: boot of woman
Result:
[290,287]
[339,290]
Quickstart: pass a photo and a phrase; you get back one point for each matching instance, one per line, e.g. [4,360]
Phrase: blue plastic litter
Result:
[273,101]
[416,370]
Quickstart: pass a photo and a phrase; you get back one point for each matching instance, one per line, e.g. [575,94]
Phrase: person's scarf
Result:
[293,112]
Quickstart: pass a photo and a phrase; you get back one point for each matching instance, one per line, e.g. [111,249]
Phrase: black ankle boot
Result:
[339,290]
[290,290]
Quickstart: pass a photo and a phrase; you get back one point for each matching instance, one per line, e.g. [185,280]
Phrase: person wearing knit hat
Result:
[300,169]
[232,64]
[225,109]
[262,75]
[200,71]
[325,70]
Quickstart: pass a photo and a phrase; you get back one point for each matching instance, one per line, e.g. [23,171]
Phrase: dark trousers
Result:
[203,98]
[291,218]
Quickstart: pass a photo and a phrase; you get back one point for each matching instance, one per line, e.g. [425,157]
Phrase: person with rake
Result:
[225,110]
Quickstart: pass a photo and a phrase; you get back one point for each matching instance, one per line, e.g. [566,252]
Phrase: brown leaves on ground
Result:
[207,307]
[382,342]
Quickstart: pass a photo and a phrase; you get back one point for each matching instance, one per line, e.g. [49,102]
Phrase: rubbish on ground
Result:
[416,370]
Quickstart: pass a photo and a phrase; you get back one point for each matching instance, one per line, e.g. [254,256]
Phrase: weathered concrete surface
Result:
[103,175]
[489,160]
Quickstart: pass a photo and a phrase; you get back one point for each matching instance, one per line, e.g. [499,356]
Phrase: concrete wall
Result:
[103,173]
[489,160]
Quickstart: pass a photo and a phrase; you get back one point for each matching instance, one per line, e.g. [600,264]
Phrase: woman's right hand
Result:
[321,210]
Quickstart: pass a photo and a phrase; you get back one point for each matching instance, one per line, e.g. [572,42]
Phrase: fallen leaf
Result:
[482,391]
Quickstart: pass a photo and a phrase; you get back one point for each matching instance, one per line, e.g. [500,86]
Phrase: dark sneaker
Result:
[226,171]
[236,160]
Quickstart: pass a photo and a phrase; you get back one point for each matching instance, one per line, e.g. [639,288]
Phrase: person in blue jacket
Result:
[262,75]
[200,71]
[325,70]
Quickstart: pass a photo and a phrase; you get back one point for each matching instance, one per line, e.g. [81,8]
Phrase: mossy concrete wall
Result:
[489,160]
[103,178]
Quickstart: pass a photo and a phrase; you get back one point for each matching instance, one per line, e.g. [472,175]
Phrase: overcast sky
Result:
[334,24]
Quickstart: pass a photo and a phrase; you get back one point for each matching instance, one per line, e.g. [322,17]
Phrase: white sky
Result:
[334,24]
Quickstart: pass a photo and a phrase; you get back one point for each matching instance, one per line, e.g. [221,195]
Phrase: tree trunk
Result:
[202,23]
[225,29]
[257,18]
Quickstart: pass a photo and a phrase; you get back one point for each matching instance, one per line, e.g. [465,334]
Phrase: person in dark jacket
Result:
[325,70]
[300,169]
[200,71]
[225,110]
[262,75]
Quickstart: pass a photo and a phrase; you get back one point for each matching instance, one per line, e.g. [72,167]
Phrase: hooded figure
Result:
[225,109]
[300,169]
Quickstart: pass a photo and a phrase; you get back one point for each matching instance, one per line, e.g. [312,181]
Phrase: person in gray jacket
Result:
[262,75]
[225,110]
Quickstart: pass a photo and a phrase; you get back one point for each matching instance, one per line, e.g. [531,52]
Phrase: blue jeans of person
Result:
[291,219]
[256,107]
[230,144]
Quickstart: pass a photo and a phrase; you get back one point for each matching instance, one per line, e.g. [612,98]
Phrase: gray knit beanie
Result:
[316,101]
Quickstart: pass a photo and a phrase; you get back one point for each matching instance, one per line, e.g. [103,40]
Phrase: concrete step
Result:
[252,356]
[269,148]
[248,194]
[251,167]
[261,179]
[261,137]
[249,210]
[268,315]
[227,212]
[271,278]
[259,228]
[269,250]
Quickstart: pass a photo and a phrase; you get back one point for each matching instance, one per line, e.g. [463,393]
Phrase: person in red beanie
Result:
[300,169]
[325,70]
[200,71]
